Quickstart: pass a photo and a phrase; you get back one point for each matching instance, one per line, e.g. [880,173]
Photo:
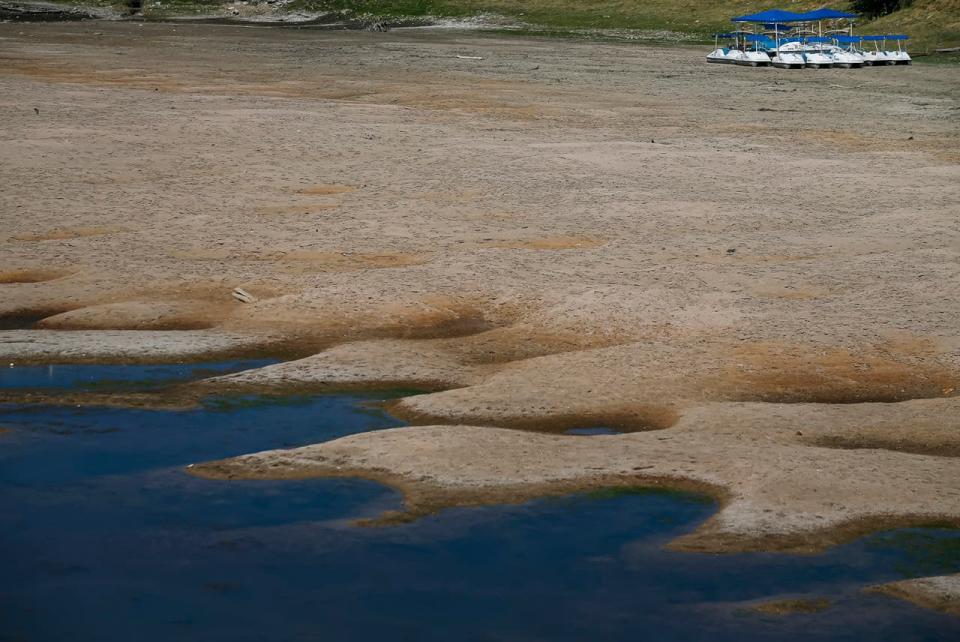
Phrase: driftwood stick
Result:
[243,296]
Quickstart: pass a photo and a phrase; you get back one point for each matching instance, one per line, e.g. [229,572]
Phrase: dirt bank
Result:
[753,271]
[941,592]
[779,488]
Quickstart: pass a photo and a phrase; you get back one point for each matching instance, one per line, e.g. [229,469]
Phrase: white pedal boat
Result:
[845,53]
[816,53]
[877,57]
[740,53]
[752,58]
[788,60]
[754,53]
[723,55]
[900,57]
[789,55]
[846,59]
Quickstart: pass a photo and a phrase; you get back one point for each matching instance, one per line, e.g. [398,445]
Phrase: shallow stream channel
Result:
[104,537]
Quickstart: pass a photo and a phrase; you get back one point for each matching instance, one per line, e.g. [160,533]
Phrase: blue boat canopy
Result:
[771,15]
[873,38]
[777,27]
[817,39]
[897,37]
[753,37]
[848,39]
[826,14]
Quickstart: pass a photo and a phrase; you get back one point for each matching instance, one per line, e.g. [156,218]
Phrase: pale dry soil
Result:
[754,273]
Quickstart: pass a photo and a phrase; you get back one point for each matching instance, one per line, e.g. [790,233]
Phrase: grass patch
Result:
[386,8]
[931,24]
[952,58]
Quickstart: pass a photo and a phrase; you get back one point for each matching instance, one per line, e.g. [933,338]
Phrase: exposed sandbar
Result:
[123,346]
[941,593]
[777,489]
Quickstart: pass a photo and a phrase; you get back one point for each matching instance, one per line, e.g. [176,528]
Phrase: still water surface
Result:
[104,537]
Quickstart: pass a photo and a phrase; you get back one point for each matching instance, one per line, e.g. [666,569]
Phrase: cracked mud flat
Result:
[752,273]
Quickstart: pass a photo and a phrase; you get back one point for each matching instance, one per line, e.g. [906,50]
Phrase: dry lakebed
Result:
[751,277]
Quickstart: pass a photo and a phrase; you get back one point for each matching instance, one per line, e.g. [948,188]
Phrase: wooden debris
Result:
[243,296]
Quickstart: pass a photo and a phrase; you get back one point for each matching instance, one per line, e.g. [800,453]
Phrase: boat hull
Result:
[724,56]
[846,59]
[788,65]
[878,60]
[788,60]
[818,60]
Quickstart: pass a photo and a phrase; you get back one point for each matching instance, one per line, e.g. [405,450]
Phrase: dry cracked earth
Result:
[754,274]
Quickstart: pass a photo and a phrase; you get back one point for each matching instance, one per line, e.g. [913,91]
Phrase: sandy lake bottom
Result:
[103,536]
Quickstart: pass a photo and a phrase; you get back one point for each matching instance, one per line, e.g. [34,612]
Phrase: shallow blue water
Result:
[80,377]
[592,432]
[103,537]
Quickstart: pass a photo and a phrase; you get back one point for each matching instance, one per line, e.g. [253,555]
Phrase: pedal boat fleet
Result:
[788,40]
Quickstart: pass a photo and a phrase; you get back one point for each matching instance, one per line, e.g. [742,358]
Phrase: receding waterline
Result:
[91,378]
[103,536]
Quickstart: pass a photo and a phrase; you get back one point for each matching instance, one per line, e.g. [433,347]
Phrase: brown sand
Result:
[791,606]
[754,271]
[941,593]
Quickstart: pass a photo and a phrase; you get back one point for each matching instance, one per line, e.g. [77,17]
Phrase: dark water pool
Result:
[103,537]
[592,431]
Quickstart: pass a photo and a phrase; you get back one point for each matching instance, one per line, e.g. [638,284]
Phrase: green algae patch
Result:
[793,606]
[932,549]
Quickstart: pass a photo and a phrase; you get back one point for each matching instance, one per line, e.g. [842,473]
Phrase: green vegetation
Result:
[923,551]
[385,8]
[167,8]
[931,24]
[940,59]
[681,16]
[875,8]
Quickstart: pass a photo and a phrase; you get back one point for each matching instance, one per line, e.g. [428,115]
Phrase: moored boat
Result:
[755,52]
[877,56]
[772,49]
[900,57]
[845,52]
[723,55]
[814,54]
[797,40]
[790,54]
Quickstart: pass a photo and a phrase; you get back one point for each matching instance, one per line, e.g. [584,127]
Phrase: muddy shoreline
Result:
[755,284]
